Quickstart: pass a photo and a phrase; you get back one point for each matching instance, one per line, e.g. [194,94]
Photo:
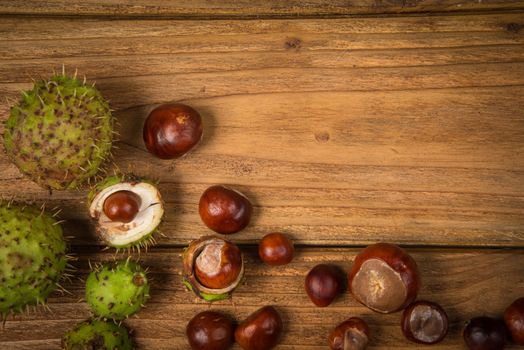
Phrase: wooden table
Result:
[346,123]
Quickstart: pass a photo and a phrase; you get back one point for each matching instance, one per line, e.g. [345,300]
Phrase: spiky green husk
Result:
[32,257]
[146,240]
[97,335]
[60,132]
[117,290]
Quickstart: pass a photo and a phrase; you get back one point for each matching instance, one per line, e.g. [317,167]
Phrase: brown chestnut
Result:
[485,333]
[172,130]
[210,330]
[213,267]
[424,322]
[218,264]
[323,284]
[260,331]
[122,206]
[384,278]
[276,249]
[224,210]
[352,334]
[514,318]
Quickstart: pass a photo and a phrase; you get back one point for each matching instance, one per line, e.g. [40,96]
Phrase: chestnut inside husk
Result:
[215,275]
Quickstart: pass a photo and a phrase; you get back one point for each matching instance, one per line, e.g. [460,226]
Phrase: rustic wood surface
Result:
[466,282]
[246,8]
[343,131]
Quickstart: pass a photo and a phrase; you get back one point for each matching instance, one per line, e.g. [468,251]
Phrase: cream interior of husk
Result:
[148,217]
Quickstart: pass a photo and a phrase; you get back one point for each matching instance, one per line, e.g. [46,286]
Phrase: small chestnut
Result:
[352,334]
[172,130]
[122,206]
[260,331]
[218,265]
[210,330]
[276,249]
[384,278]
[224,210]
[323,284]
[485,333]
[424,322]
[514,318]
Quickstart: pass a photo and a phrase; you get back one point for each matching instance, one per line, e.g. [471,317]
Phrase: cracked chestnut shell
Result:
[260,331]
[384,278]
[224,210]
[323,284]
[485,333]
[172,130]
[352,334]
[122,206]
[514,319]
[210,330]
[276,249]
[424,322]
[213,267]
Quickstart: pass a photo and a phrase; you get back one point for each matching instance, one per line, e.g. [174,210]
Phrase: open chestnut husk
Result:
[323,284]
[172,130]
[384,278]
[224,210]
[260,331]
[514,319]
[352,334]
[276,249]
[210,330]
[485,333]
[213,267]
[424,322]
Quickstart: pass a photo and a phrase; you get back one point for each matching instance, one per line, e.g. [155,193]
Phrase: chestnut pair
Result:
[211,330]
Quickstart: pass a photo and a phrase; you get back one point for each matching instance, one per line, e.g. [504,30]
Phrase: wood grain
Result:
[246,8]
[341,131]
[466,283]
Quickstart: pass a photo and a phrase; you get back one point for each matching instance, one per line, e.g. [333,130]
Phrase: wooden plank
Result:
[246,8]
[466,283]
[342,131]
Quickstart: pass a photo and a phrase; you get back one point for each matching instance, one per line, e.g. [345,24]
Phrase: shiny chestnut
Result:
[276,249]
[260,331]
[514,319]
[224,210]
[210,330]
[424,322]
[485,333]
[213,267]
[384,278]
[323,284]
[122,206]
[172,130]
[218,265]
[352,334]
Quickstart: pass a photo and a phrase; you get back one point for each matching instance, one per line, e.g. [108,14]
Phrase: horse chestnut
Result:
[384,278]
[260,331]
[276,249]
[514,318]
[224,210]
[352,334]
[323,284]
[218,264]
[122,206]
[172,130]
[210,330]
[213,267]
[485,333]
[424,322]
